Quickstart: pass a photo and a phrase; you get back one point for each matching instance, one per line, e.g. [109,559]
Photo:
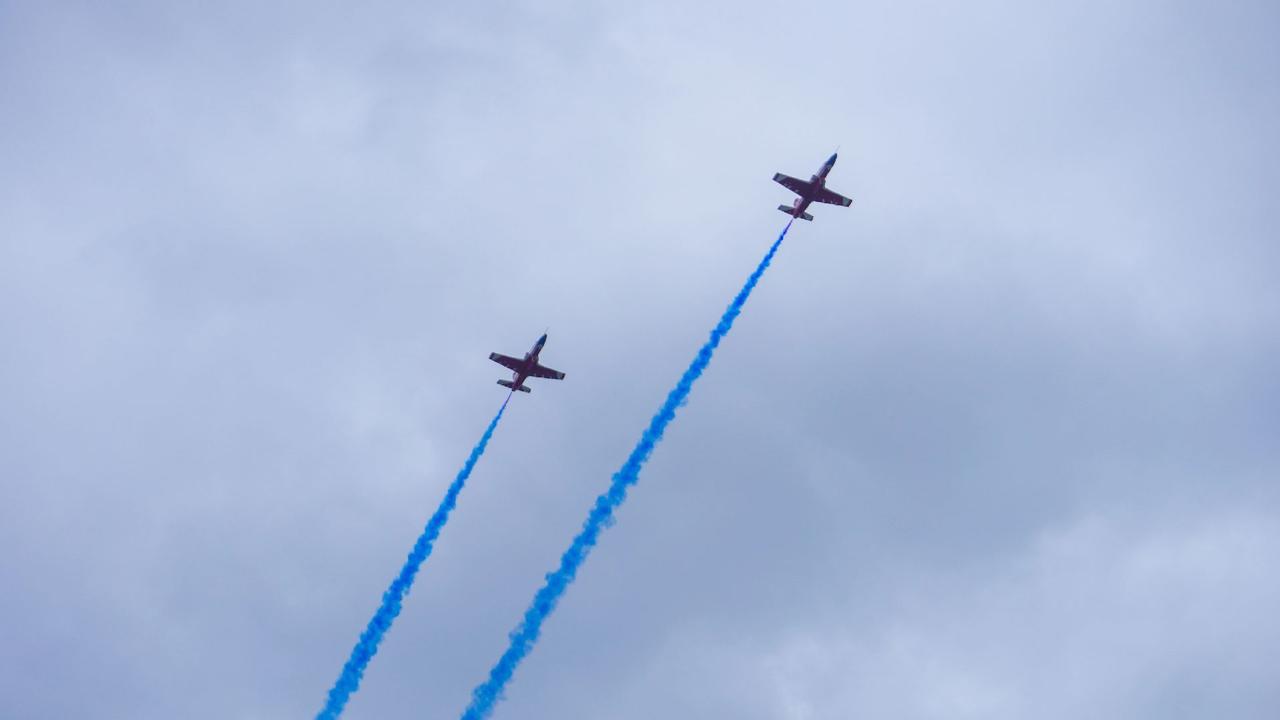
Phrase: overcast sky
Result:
[998,441]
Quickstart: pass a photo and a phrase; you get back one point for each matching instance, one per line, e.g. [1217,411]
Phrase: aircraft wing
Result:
[795,185]
[831,198]
[541,371]
[507,361]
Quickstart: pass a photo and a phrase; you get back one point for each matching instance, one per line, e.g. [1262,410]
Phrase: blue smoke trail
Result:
[392,599]
[526,635]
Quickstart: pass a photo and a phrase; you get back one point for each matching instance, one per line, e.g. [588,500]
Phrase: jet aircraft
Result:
[525,368]
[815,190]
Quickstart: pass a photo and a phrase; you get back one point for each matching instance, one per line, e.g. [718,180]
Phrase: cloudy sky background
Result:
[999,441]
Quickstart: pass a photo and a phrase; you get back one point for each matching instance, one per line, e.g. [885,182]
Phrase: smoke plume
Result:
[523,638]
[392,599]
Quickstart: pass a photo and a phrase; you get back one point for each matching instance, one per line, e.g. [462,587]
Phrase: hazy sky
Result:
[998,441]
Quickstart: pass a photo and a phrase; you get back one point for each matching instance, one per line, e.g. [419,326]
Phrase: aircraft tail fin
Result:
[792,212]
[509,384]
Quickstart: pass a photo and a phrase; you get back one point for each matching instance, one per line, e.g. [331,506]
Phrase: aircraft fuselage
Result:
[530,360]
[818,181]
[525,367]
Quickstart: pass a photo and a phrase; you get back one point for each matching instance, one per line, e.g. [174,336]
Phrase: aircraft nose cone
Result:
[832,160]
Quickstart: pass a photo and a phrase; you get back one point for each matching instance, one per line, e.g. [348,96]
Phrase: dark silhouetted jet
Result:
[815,190]
[526,368]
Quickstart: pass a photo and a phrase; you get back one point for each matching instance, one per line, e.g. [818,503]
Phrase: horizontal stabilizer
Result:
[792,212]
[509,384]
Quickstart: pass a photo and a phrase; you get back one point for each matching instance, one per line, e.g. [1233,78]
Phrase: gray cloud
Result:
[997,441]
